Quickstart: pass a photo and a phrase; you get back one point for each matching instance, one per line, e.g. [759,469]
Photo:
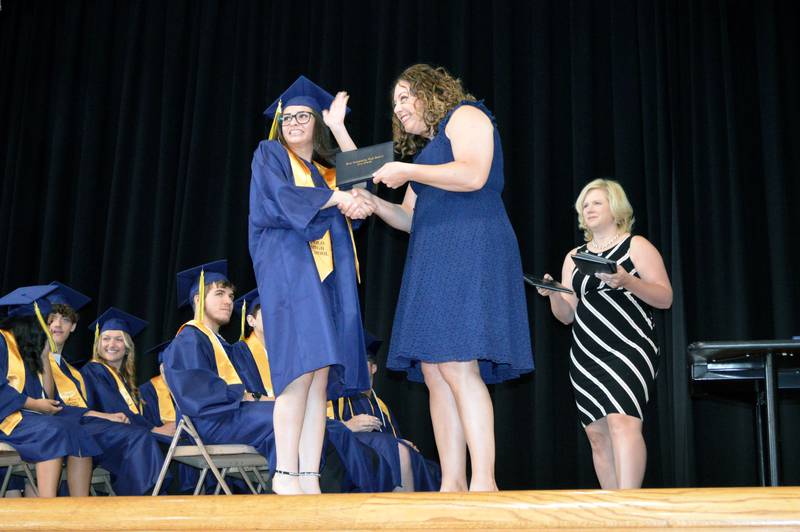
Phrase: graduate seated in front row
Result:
[372,421]
[200,375]
[110,375]
[348,465]
[130,452]
[29,421]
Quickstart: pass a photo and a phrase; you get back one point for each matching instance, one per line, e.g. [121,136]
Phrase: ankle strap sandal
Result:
[287,473]
[308,474]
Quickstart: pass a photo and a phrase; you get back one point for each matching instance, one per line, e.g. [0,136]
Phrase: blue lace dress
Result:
[462,296]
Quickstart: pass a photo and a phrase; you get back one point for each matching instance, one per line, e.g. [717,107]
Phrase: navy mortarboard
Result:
[115,319]
[302,92]
[245,306]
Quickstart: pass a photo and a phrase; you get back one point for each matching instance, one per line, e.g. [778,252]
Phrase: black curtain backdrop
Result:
[128,129]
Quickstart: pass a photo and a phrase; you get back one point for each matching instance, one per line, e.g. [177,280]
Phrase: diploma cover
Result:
[357,166]
[589,264]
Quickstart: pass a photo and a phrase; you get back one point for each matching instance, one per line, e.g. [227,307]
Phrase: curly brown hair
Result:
[439,93]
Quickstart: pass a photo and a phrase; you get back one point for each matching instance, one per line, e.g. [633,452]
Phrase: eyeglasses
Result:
[302,117]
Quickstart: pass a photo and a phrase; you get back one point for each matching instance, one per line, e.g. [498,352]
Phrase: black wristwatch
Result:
[256,395]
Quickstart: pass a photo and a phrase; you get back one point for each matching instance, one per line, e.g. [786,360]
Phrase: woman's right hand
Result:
[116,417]
[363,423]
[43,406]
[544,291]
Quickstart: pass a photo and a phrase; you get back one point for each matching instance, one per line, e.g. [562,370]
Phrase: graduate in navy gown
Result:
[29,421]
[362,470]
[130,452]
[371,420]
[200,375]
[306,269]
[110,375]
[158,406]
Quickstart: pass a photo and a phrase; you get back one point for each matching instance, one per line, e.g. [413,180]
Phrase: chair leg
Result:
[222,484]
[167,459]
[246,476]
[199,486]
[109,487]
[6,480]
[197,441]
[262,484]
[27,468]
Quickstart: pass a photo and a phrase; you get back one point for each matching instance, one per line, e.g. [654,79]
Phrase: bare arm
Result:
[652,286]
[334,119]
[396,215]
[471,135]
[562,304]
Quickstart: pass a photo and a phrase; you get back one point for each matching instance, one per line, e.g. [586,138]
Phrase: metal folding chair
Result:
[10,458]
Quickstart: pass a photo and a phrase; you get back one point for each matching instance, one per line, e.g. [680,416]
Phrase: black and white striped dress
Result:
[614,357]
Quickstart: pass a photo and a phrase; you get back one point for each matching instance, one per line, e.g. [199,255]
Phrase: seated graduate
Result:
[158,406]
[199,373]
[29,421]
[110,375]
[370,418]
[130,453]
[363,469]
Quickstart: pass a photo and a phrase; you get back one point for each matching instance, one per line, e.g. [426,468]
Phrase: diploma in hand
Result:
[589,264]
[357,166]
[547,284]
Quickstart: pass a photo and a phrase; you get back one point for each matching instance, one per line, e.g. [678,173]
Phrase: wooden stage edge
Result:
[677,508]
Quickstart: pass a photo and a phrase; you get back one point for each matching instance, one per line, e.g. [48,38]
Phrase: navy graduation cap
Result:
[115,319]
[159,350]
[245,305]
[24,300]
[302,92]
[372,343]
[189,280]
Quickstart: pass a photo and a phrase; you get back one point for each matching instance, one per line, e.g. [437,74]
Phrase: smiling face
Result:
[409,110]
[298,136]
[61,326]
[112,348]
[596,210]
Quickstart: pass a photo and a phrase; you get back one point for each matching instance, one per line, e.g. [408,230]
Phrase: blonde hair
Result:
[439,93]
[617,201]
[127,370]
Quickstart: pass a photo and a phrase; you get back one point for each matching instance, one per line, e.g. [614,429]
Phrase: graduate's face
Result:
[409,109]
[219,304]
[597,214]
[296,134]
[373,369]
[254,321]
[60,327]
[112,346]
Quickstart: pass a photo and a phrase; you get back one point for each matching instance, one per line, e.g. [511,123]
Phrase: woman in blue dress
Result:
[461,319]
[305,265]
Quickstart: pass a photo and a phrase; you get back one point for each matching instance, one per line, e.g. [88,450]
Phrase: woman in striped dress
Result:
[614,357]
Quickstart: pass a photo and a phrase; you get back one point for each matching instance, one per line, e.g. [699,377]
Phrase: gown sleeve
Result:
[277,203]
[192,377]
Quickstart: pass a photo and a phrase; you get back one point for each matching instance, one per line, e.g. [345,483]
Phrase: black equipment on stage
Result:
[771,364]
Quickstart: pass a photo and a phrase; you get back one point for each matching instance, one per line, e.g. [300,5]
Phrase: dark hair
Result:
[65,310]
[439,91]
[30,339]
[210,286]
[324,150]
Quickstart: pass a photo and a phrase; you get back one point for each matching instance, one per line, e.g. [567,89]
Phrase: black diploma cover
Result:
[357,166]
[547,284]
[589,264]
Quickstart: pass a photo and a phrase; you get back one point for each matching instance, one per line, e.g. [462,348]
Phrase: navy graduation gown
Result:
[151,409]
[130,452]
[427,474]
[39,437]
[215,407]
[102,393]
[308,324]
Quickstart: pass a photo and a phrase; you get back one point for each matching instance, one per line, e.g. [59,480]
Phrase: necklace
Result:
[604,244]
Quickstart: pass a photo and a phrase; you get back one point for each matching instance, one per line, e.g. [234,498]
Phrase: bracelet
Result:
[287,473]
[308,474]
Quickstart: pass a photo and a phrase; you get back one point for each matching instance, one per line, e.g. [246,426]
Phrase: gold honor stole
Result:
[321,249]
[261,359]
[166,409]
[225,369]
[16,379]
[123,391]
[67,390]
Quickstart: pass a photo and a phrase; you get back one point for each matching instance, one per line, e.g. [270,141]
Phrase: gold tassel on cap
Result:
[202,293]
[273,130]
[244,314]
[45,328]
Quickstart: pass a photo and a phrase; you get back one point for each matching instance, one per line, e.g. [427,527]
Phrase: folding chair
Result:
[221,459]
[11,459]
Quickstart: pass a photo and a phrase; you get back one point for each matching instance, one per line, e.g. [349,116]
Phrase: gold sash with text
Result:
[67,390]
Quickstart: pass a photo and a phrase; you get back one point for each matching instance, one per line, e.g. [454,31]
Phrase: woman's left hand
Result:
[615,280]
[393,175]
[334,117]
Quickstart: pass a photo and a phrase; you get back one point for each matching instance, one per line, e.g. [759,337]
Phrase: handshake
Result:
[356,203]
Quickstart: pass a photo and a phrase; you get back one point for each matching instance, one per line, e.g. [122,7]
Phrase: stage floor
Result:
[684,509]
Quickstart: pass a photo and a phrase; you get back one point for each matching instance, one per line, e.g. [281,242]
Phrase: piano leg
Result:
[762,459]
[772,434]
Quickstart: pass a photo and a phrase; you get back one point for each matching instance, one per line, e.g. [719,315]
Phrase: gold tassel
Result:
[244,313]
[96,337]
[202,293]
[273,130]
[45,328]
